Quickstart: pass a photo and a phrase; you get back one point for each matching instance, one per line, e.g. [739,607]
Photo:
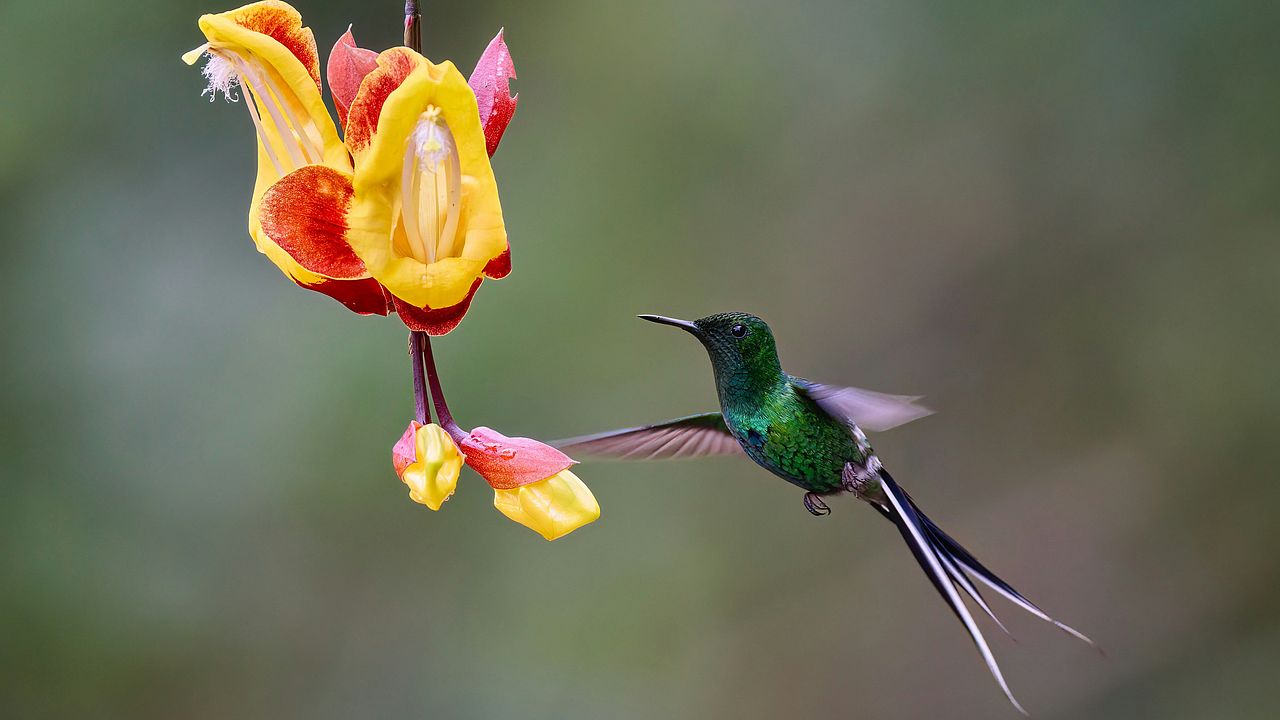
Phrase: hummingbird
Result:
[812,435]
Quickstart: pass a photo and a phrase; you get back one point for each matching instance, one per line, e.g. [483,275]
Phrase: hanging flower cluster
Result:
[398,214]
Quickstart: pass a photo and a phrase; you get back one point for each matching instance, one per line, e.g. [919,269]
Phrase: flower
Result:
[403,212]
[425,218]
[428,461]
[531,482]
[553,507]
[264,49]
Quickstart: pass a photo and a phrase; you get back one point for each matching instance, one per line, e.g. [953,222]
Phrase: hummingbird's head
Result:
[740,345]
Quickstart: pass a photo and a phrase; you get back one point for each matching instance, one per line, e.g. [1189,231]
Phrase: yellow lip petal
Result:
[432,477]
[405,91]
[553,507]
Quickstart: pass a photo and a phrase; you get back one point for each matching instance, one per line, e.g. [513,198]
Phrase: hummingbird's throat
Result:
[431,190]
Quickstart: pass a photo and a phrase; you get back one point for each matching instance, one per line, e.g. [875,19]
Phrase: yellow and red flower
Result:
[531,481]
[403,212]
[428,461]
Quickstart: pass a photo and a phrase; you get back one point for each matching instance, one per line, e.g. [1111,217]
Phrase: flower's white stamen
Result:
[251,103]
[298,139]
[454,199]
[299,129]
[250,79]
[431,188]
[425,189]
[220,74]
[409,204]
[223,71]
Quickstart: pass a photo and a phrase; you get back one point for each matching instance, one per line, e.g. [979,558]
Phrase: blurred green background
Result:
[1058,221]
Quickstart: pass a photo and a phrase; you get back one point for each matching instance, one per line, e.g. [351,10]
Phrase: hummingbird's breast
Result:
[790,436]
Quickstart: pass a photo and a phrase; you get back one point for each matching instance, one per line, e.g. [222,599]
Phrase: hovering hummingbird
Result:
[811,435]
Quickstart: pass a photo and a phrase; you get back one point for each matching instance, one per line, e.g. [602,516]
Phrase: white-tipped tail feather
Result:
[917,536]
[946,563]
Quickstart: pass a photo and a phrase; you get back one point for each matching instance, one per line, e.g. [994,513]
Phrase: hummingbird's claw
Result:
[814,504]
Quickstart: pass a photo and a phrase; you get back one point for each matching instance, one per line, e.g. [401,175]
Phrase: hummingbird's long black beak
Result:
[682,324]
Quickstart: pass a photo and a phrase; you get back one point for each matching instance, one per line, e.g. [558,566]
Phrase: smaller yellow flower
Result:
[428,461]
[553,507]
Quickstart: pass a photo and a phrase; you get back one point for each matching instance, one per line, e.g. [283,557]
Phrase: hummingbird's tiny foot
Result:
[814,504]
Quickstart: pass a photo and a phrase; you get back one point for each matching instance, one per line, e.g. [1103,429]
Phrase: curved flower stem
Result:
[419,381]
[437,394]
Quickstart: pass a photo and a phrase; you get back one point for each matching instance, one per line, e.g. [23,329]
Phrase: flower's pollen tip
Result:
[431,140]
[222,76]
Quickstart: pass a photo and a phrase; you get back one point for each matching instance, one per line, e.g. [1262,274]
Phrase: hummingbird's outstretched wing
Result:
[686,437]
[868,409]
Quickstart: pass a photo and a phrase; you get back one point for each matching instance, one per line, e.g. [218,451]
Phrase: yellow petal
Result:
[433,476]
[553,507]
[264,48]
[380,128]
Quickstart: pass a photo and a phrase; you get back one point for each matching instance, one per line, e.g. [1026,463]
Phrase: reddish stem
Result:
[437,394]
[419,381]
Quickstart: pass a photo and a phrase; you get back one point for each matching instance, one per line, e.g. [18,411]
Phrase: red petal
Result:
[500,266]
[305,213]
[364,297]
[348,64]
[394,66]
[405,452]
[493,93]
[507,462]
[284,25]
[435,321]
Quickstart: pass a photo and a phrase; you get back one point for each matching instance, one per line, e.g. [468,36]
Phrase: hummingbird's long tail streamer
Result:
[926,551]
[946,562]
[947,546]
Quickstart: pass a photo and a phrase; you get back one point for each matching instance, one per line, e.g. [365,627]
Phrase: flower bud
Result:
[553,507]
[428,461]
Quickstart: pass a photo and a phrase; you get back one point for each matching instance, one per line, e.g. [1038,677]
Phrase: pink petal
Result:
[509,462]
[348,65]
[493,93]
[405,452]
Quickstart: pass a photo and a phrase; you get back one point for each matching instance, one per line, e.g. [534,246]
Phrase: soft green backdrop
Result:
[1058,221]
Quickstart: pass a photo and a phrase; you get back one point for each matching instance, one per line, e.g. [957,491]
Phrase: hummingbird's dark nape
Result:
[811,435]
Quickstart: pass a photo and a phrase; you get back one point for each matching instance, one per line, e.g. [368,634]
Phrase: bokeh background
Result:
[1058,221]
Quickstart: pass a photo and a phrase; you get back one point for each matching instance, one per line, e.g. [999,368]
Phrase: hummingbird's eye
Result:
[739,330]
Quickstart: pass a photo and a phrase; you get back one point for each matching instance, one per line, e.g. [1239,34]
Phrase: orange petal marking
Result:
[305,213]
[283,24]
[394,66]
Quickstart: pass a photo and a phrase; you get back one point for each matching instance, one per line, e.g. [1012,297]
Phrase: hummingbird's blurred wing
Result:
[868,409]
[686,437]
